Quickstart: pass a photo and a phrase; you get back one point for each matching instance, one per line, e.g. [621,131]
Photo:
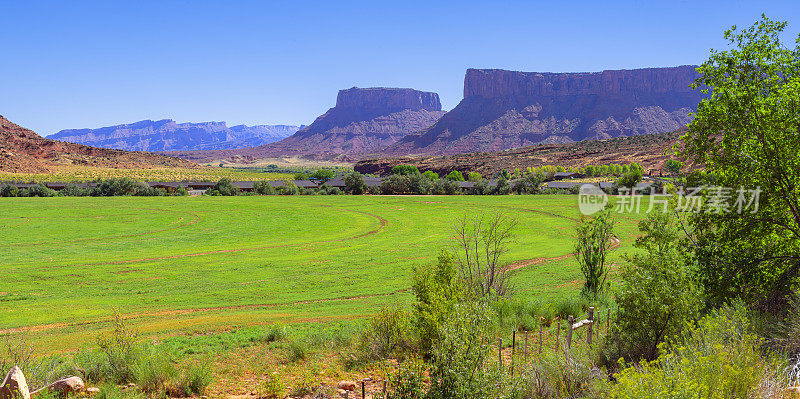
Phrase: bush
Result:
[9,191]
[395,184]
[195,377]
[418,184]
[657,287]
[431,175]
[528,184]
[39,190]
[405,170]
[264,188]
[594,235]
[461,366]
[502,187]
[445,187]
[386,334]
[720,358]
[117,186]
[408,380]
[118,355]
[288,188]
[437,290]
[297,350]
[474,176]
[455,175]
[224,187]
[354,183]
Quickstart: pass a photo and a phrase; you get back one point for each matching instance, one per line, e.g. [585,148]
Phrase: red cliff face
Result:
[508,109]
[388,99]
[497,83]
[364,121]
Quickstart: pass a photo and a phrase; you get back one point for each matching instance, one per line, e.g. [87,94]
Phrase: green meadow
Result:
[194,265]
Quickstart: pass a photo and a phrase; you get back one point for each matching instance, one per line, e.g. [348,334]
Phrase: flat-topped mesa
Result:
[388,100]
[497,83]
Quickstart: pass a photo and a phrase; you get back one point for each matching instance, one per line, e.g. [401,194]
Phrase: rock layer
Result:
[166,135]
[364,120]
[507,109]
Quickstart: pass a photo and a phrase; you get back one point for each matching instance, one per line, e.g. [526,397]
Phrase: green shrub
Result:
[224,187]
[720,358]
[153,369]
[594,237]
[9,191]
[408,380]
[386,334]
[431,175]
[39,190]
[354,183]
[297,350]
[657,287]
[502,187]
[455,175]
[437,290]
[264,188]
[405,170]
[395,185]
[445,187]
[474,176]
[461,366]
[195,377]
[288,188]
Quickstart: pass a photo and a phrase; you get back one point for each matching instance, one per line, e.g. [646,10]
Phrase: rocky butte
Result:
[507,109]
[167,135]
[364,121]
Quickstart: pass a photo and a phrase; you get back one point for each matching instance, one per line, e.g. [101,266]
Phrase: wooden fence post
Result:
[526,345]
[385,392]
[569,331]
[558,329]
[363,389]
[608,320]
[500,353]
[540,338]
[591,324]
[513,349]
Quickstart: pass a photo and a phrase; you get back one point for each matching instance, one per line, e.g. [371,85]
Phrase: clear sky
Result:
[76,64]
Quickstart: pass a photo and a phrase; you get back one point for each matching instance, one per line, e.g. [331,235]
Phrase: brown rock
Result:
[346,385]
[92,390]
[67,385]
[509,109]
[14,385]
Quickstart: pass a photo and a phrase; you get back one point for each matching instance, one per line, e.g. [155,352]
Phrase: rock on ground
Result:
[14,384]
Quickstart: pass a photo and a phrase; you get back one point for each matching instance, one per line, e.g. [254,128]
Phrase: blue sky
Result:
[90,64]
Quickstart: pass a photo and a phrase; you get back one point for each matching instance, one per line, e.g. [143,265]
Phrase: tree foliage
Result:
[594,238]
[746,135]
[405,170]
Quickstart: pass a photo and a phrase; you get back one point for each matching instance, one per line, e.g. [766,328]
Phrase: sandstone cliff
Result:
[364,121]
[166,135]
[508,109]
[22,150]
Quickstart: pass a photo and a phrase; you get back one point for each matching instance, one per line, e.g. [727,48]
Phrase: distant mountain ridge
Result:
[364,121]
[22,150]
[167,135]
[509,109]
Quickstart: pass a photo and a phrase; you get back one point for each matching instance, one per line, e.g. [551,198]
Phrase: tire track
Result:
[383,223]
[180,312]
[180,226]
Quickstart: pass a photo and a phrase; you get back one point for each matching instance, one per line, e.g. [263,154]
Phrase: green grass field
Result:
[189,265]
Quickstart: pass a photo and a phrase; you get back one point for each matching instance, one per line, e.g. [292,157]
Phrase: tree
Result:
[630,179]
[455,175]
[264,188]
[594,238]
[474,176]
[354,183]
[431,175]
[657,286]
[322,175]
[746,135]
[481,242]
[405,170]
[528,184]
[673,167]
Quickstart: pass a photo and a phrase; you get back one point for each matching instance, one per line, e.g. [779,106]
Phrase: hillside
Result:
[647,150]
[167,135]
[509,109]
[22,150]
[363,122]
